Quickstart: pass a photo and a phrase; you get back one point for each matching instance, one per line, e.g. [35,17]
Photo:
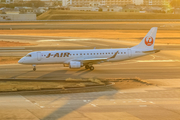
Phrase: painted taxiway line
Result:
[16,50]
[61,40]
[158,61]
[128,62]
[138,61]
[12,48]
[9,64]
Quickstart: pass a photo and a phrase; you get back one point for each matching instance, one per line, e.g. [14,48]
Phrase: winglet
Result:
[114,55]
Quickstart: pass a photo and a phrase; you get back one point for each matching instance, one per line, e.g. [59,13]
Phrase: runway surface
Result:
[159,101]
[91,25]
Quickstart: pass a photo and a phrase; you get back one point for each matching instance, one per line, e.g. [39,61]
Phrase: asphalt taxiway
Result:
[161,100]
[164,64]
[148,67]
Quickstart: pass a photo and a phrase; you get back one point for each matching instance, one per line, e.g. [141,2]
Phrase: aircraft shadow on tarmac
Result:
[84,71]
[21,74]
[63,75]
[63,111]
[58,74]
[71,106]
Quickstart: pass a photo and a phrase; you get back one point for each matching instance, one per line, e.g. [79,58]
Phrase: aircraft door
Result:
[39,56]
[129,53]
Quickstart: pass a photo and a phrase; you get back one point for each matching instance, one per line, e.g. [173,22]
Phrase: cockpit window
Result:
[28,55]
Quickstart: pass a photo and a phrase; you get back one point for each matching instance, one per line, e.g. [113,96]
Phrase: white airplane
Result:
[80,58]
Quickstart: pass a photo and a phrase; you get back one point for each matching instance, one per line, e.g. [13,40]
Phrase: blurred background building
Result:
[7,1]
[96,2]
[114,2]
[93,2]
[157,2]
[40,6]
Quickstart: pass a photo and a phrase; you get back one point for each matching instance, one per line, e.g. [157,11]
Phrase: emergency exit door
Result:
[129,53]
[39,56]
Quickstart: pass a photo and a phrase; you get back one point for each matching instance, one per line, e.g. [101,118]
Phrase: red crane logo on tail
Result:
[149,41]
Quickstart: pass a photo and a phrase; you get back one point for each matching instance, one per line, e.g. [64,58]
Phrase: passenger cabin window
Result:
[87,53]
[28,55]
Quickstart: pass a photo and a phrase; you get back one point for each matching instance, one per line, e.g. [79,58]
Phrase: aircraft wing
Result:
[93,60]
[96,60]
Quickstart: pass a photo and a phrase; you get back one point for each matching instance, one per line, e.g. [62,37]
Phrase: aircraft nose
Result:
[20,61]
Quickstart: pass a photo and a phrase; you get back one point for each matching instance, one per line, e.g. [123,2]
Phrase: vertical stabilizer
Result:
[148,41]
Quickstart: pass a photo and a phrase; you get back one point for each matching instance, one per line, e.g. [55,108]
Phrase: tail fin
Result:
[148,41]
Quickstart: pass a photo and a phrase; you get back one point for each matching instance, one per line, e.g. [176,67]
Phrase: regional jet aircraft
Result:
[80,58]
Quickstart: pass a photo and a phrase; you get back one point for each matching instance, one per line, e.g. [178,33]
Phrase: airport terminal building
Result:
[113,2]
[157,2]
[96,2]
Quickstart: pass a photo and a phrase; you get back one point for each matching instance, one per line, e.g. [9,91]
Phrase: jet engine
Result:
[75,64]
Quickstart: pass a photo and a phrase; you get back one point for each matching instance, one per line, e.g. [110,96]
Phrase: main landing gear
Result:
[34,67]
[89,67]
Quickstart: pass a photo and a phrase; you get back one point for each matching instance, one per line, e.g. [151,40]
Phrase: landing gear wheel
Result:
[87,67]
[34,69]
[91,68]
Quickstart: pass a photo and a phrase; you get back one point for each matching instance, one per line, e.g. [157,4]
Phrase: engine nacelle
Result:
[75,64]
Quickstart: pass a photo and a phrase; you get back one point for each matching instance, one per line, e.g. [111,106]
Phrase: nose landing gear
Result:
[34,67]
